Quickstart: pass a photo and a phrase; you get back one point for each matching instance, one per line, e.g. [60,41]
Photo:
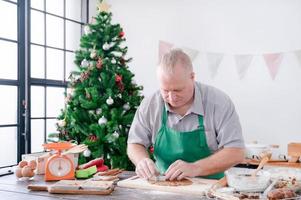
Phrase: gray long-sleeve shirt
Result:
[221,122]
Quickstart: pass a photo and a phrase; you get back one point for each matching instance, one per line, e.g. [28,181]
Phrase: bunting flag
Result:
[273,61]
[214,61]
[164,47]
[242,64]
[298,55]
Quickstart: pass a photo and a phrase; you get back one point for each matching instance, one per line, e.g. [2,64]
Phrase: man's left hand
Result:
[181,169]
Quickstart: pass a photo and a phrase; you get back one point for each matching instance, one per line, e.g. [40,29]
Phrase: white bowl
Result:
[241,180]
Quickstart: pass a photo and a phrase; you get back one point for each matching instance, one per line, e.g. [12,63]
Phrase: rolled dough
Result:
[171,183]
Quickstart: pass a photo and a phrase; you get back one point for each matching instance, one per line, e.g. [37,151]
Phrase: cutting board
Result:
[76,187]
[199,186]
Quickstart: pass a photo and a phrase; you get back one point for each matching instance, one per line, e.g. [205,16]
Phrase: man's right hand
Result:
[146,168]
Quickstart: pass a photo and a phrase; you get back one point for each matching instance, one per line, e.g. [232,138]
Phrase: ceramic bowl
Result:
[241,180]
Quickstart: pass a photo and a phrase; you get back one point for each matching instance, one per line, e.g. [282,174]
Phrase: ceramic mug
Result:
[276,153]
[253,151]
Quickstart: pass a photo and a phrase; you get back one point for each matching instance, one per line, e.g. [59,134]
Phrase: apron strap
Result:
[164,116]
[201,120]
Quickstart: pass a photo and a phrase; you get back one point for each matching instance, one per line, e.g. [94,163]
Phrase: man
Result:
[193,128]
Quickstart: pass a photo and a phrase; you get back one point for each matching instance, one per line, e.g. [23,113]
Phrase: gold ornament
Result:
[88,95]
[103,7]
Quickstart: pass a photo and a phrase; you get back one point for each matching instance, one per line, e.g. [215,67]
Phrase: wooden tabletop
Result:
[13,189]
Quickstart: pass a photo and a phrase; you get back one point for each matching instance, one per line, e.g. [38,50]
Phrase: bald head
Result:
[176,79]
[173,59]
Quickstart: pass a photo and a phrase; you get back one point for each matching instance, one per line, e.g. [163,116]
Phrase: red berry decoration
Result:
[121,34]
[118,78]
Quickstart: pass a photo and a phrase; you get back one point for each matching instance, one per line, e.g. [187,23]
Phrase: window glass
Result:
[55,31]
[37,135]
[37,27]
[37,61]
[70,65]
[37,4]
[73,10]
[55,7]
[55,64]
[8,20]
[37,101]
[8,136]
[73,34]
[54,101]
[51,127]
[8,105]
[9,60]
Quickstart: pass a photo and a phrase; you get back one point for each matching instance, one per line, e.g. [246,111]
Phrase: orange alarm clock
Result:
[58,166]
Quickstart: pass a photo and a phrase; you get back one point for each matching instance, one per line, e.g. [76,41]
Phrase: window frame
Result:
[44,82]
[24,80]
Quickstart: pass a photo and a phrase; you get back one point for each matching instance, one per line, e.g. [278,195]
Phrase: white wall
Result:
[270,110]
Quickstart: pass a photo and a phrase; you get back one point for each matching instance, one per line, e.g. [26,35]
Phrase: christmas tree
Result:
[103,96]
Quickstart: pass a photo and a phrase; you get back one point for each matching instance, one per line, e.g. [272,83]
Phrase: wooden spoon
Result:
[220,183]
[265,157]
[76,149]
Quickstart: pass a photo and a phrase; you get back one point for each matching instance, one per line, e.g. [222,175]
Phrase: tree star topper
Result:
[103,6]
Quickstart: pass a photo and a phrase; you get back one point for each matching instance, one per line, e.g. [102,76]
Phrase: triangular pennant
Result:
[273,61]
[164,47]
[214,60]
[242,64]
[298,55]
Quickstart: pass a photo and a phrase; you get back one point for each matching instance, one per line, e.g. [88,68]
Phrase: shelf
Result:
[273,163]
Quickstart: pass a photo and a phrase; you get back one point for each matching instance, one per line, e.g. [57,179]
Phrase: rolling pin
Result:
[37,187]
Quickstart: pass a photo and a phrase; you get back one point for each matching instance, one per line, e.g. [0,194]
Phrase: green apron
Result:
[171,145]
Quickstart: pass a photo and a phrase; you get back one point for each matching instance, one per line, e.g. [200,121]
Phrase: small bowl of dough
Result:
[242,180]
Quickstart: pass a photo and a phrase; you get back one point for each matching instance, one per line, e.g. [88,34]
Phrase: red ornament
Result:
[92,138]
[118,78]
[99,63]
[151,149]
[121,34]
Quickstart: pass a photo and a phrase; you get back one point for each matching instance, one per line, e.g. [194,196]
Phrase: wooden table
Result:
[13,189]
